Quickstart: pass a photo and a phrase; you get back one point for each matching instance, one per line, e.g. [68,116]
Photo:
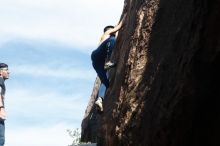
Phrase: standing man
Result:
[4,74]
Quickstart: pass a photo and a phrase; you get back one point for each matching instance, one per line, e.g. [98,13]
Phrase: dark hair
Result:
[3,65]
[107,27]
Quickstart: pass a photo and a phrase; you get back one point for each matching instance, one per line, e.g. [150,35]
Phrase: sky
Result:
[47,45]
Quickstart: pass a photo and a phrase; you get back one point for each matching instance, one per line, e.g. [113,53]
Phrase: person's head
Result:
[109,27]
[4,72]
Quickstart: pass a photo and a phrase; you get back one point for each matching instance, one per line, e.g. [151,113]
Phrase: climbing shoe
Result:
[98,104]
[109,65]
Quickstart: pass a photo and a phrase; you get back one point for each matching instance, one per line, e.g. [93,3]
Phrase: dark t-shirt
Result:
[2,88]
[104,50]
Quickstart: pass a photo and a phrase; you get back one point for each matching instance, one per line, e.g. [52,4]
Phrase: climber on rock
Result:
[101,59]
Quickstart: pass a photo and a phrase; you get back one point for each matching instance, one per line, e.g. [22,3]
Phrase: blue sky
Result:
[47,45]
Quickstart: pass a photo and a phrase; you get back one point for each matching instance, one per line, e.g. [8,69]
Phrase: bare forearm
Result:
[118,26]
[2,109]
[1,101]
[112,31]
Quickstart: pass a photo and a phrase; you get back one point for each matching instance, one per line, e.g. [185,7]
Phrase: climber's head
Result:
[109,27]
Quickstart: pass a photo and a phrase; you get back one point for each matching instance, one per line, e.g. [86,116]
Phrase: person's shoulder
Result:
[104,41]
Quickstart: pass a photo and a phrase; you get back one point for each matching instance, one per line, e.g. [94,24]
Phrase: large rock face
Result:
[165,89]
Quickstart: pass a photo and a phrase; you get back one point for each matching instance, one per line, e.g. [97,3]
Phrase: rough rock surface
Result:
[165,89]
[91,117]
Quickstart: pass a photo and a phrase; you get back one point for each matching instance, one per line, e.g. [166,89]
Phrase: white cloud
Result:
[45,104]
[50,116]
[54,135]
[72,22]
[46,71]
